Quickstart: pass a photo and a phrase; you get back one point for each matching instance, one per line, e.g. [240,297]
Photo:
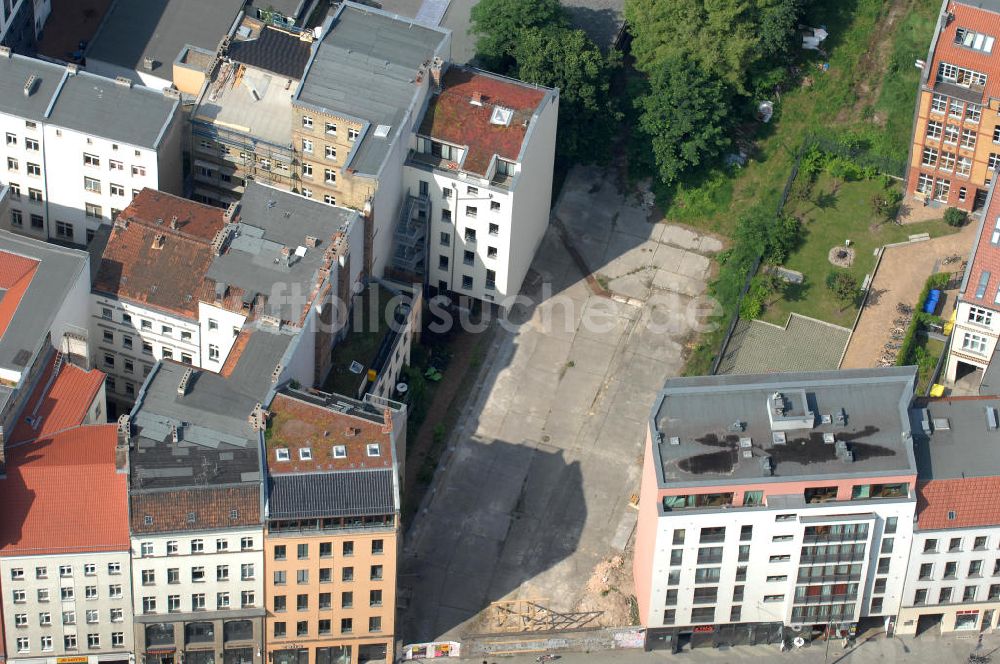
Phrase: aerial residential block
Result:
[479,183]
[953,155]
[43,312]
[171,46]
[195,505]
[953,579]
[64,554]
[775,503]
[186,281]
[78,147]
[332,527]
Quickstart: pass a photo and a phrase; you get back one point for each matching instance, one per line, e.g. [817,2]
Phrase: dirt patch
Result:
[609,590]
[873,63]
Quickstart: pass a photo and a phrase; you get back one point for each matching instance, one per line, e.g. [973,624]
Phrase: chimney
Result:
[29,84]
[258,418]
[182,386]
[477,98]
[4,51]
[123,81]
[158,241]
[72,68]
[174,437]
[386,420]
[121,447]
[148,63]
[173,222]
[437,67]
[230,212]
[312,241]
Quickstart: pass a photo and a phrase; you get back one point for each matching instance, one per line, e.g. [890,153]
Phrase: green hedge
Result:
[920,320]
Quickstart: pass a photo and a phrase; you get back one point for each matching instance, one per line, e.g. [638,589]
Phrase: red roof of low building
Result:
[295,425]
[60,401]
[985,259]
[976,19]
[153,259]
[452,116]
[63,495]
[16,273]
[972,500]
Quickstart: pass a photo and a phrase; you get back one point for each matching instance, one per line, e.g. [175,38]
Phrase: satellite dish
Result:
[402,388]
[356,367]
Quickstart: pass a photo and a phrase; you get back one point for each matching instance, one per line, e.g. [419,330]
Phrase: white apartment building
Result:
[775,506]
[484,183]
[67,605]
[191,571]
[64,560]
[78,147]
[953,579]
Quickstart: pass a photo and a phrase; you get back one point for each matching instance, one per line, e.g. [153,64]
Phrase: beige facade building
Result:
[332,527]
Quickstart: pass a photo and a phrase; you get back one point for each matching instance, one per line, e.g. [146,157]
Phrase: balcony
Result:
[834,538]
[807,559]
[826,599]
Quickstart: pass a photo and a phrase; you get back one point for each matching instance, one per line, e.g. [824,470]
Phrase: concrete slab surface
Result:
[550,443]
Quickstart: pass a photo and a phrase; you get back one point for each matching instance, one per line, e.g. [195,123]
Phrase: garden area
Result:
[844,214]
[859,90]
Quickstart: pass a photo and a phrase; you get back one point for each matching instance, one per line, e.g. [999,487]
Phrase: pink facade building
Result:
[774,507]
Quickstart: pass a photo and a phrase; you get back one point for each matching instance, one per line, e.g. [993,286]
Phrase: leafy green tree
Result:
[844,286]
[685,117]
[499,25]
[727,39]
[570,61]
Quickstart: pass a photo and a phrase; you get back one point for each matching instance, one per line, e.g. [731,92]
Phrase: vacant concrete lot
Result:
[536,488]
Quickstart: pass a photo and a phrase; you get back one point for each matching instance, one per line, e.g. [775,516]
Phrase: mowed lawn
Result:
[834,213]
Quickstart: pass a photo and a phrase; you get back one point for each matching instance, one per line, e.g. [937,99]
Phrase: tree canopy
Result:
[498,25]
[531,40]
[569,60]
[684,116]
[727,40]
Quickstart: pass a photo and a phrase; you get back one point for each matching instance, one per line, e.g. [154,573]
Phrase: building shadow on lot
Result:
[490,529]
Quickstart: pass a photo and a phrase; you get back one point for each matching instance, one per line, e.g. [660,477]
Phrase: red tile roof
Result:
[295,424]
[62,495]
[979,20]
[986,258]
[16,273]
[973,500]
[213,507]
[451,117]
[59,402]
[167,277]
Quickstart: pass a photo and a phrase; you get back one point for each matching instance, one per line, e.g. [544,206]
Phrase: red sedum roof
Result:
[453,118]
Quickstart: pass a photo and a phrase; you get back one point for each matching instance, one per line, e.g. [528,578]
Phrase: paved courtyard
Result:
[535,489]
[803,344]
[901,276]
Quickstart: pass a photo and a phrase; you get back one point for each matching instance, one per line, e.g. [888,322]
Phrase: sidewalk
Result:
[933,650]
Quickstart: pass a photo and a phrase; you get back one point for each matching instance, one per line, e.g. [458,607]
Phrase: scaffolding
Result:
[409,257]
[525,615]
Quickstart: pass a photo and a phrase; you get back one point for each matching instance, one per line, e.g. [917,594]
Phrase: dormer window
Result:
[339,452]
[373,450]
[305,454]
[281,454]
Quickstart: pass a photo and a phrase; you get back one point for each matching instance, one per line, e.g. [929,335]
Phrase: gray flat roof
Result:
[14,71]
[365,67]
[989,5]
[84,102]
[215,443]
[159,29]
[269,221]
[718,429]
[57,270]
[99,106]
[952,439]
[337,494]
